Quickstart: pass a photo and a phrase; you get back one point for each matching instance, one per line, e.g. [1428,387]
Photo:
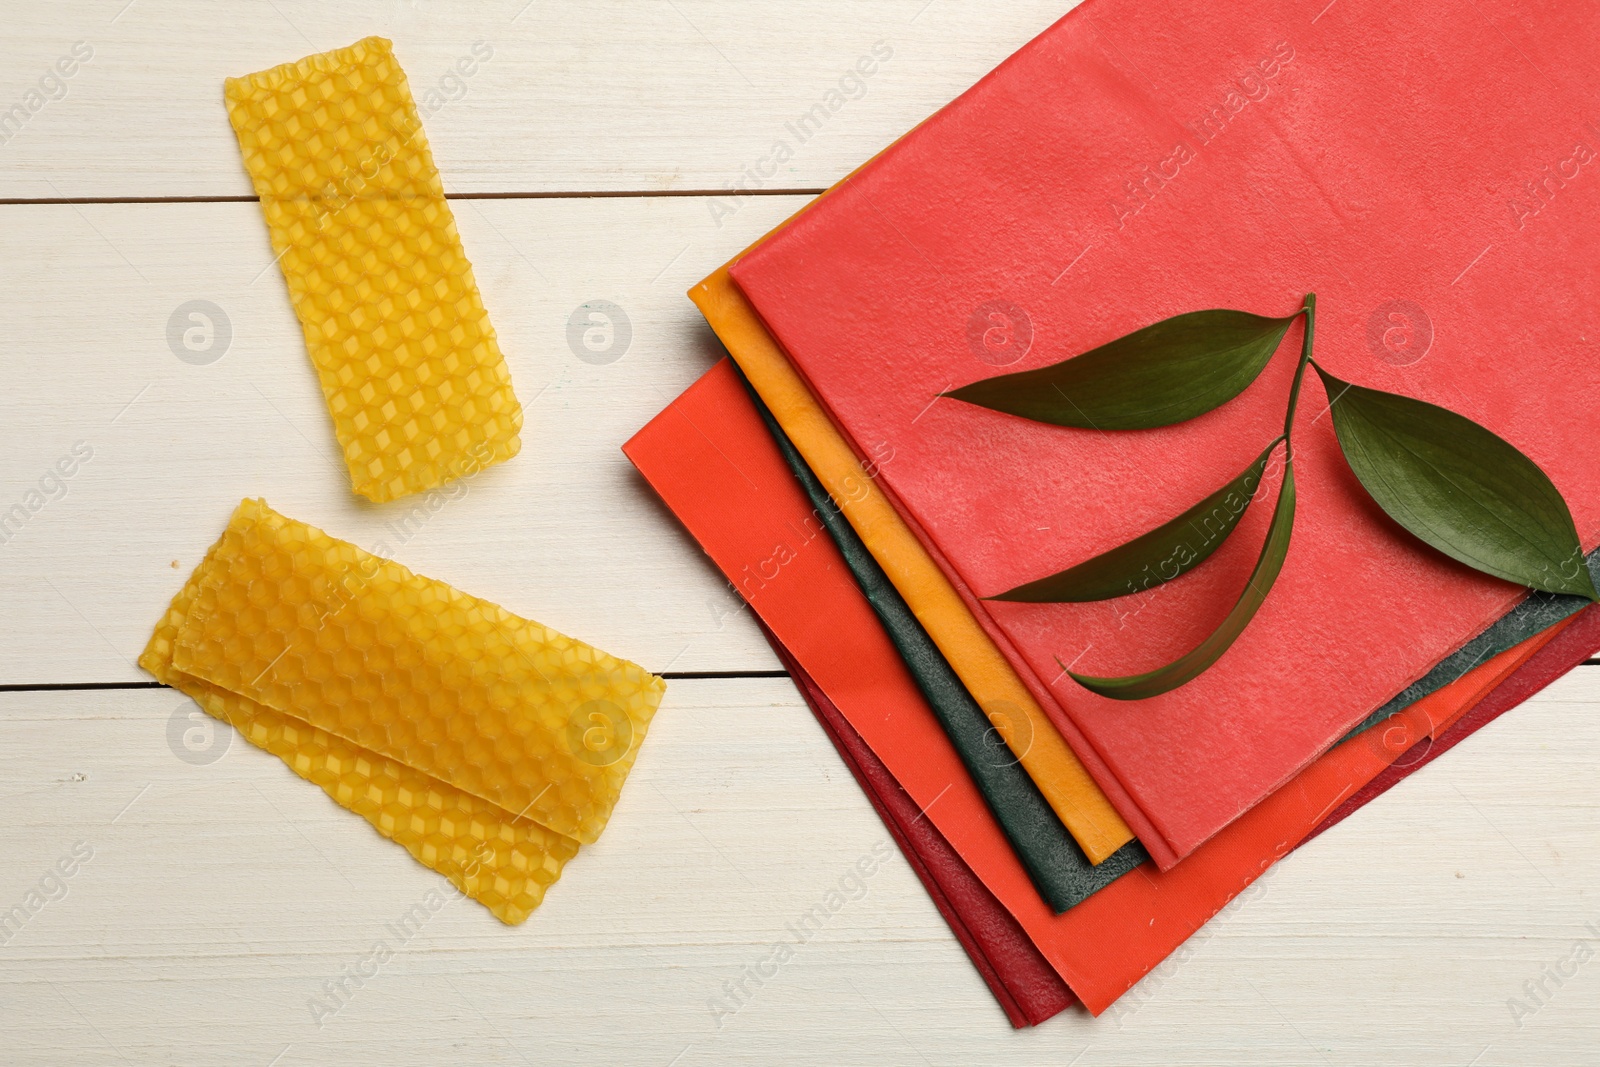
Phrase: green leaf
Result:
[1166,373]
[1189,666]
[1462,489]
[1153,558]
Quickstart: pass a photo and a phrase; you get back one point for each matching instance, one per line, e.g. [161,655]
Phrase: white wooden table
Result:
[220,891]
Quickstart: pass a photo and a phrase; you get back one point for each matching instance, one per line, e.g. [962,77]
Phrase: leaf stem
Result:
[1310,312]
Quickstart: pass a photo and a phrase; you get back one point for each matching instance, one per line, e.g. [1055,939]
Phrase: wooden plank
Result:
[1443,925]
[566,533]
[221,896]
[575,95]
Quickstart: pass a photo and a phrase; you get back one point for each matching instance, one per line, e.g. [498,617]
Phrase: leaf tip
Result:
[1090,682]
[1110,688]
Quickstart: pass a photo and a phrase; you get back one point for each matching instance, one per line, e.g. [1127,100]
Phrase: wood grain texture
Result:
[565,533]
[578,96]
[221,895]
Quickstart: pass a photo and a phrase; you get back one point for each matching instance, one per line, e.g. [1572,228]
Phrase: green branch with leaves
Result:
[1452,483]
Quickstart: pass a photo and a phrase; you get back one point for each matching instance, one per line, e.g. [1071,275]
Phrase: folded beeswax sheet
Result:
[407,666]
[504,863]
[398,691]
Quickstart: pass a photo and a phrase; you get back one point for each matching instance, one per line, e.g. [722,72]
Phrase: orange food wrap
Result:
[1068,788]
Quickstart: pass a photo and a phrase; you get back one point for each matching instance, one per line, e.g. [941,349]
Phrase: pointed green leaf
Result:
[1153,558]
[1462,489]
[1186,668]
[1166,373]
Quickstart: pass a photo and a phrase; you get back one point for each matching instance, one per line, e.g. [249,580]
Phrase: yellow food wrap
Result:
[410,366]
[1066,785]
[489,746]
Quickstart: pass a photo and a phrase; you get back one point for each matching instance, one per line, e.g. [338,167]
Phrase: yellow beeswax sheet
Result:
[396,329]
[504,863]
[528,719]
[1041,750]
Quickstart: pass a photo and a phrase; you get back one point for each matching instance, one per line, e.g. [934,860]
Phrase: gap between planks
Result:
[636,194]
[78,687]
[671,676]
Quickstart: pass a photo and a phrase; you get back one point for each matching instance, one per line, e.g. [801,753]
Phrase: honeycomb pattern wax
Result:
[460,689]
[504,863]
[413,374]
